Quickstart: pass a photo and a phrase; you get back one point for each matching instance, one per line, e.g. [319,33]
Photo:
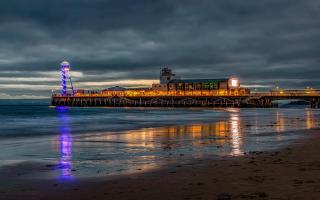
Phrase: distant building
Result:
[166,76]
[198,84]
[116,88]
[170,82]
[161,87]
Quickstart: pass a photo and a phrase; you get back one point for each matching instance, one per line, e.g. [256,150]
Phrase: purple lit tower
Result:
[65,68]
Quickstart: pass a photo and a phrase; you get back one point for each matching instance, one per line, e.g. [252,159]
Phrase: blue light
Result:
[65,67]
[66,155]
[62,108]
[65,140]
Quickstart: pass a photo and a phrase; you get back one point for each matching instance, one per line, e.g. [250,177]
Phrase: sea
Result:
[75,143]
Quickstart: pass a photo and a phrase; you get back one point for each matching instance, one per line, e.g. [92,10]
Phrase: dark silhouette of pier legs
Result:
[315,104]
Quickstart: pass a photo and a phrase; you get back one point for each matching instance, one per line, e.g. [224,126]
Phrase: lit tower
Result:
[65,76]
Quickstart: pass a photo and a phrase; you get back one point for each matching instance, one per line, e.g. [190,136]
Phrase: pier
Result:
[172,91]
[251,100]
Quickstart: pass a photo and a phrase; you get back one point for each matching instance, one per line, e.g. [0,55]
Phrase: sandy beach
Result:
[289,173]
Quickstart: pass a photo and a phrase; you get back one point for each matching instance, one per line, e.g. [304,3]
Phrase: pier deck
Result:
[251,100]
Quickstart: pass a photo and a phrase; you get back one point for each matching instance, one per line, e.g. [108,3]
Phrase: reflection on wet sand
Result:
[236,134]
[280,122]
[310,120]
[64,145]
[283,123]
[143,148]
[66,154]
[173,137]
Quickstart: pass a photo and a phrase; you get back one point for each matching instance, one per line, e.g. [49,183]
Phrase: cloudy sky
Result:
[266,43]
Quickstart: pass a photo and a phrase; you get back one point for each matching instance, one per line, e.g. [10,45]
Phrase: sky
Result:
[266,43]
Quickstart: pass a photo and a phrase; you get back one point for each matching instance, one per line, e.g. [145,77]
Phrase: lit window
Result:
[234,83]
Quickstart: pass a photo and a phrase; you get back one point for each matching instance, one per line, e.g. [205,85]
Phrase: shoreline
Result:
[289,173]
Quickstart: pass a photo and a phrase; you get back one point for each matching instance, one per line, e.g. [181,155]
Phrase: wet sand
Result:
[289,173]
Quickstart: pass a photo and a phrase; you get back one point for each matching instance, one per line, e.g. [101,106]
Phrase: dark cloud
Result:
[266,42]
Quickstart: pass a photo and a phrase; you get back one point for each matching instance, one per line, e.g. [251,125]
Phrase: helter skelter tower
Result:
[65,77]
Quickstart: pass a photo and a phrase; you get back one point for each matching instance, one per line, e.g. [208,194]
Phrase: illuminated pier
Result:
[254,100]
[175,92]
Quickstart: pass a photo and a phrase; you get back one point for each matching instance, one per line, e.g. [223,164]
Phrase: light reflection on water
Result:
[148,148]
[236,134]
[64,141]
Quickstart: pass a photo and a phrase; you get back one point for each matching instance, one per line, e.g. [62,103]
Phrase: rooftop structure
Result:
[166,76]
[116,88]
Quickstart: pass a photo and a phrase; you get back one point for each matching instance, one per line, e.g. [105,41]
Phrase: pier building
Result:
[170,82]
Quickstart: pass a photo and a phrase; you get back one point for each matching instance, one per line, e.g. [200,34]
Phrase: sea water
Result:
[88,142]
